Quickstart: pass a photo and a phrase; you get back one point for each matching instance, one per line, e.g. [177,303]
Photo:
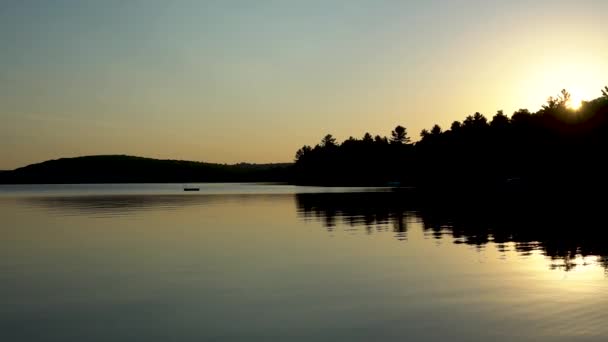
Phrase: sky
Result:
[253,81]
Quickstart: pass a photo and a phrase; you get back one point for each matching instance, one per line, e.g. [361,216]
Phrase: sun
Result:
[577,74]
[575,101]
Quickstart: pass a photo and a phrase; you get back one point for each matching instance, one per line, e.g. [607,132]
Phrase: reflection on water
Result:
[120,205]
[239,265]
[568,238]
[373,211]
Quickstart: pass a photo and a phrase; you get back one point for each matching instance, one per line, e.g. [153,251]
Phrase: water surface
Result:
[272,262]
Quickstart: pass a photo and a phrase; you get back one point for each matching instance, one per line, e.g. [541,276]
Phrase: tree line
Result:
[131,169]
[555,145]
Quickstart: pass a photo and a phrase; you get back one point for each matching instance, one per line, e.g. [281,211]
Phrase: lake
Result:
[266,262]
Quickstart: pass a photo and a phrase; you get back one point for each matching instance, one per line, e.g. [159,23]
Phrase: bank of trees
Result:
[556,145]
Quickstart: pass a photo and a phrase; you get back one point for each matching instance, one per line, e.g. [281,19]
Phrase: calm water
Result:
[282,263]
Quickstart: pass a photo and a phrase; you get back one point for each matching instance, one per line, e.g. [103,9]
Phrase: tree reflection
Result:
[565,233]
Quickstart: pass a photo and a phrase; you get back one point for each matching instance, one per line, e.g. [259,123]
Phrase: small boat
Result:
[191,189]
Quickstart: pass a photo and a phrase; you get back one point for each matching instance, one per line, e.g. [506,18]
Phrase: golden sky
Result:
[231,81]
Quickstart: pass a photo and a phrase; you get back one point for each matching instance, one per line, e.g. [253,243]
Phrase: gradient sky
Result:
[230,81]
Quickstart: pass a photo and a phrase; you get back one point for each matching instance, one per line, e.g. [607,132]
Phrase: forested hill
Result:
[130,169]
[554,148]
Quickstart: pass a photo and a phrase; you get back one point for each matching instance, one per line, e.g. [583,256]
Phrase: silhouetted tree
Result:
[558,102]
[500,120]
[380,140]
[399,135]
[328,141]
[521,116]
[303,152]
[564,97]
[436,130]
[424,133]
[456,125]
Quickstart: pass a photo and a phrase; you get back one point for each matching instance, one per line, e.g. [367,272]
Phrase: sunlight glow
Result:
[545,77]
[576,100]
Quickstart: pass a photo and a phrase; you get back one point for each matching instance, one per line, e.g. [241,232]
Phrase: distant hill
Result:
[131,169]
